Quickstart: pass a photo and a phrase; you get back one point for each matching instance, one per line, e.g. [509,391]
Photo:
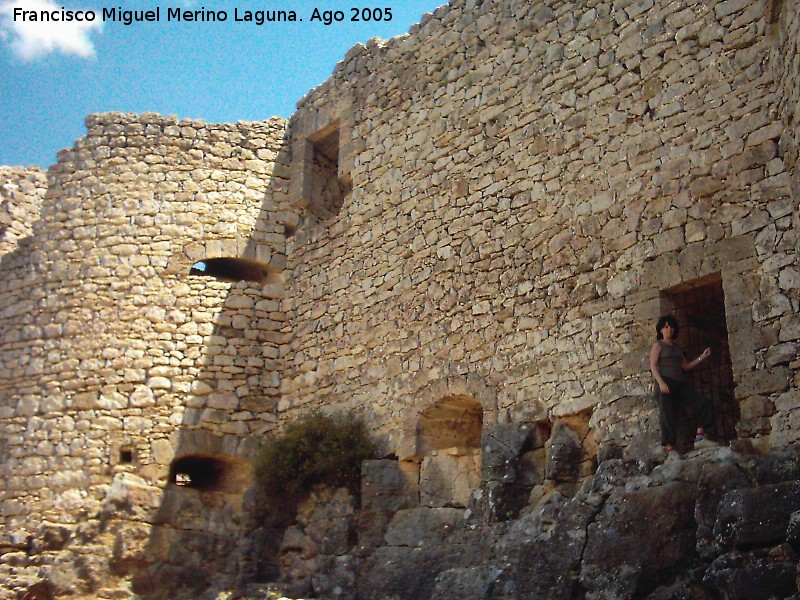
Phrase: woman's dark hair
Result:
[663,321]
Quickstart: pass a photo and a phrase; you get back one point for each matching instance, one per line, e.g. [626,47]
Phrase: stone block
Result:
[765,381]
[159,383]
[142,396]
[762,579]
[448,477]
[386,487]
[757,517]
[781,354]
[636,536]
[86,400]
[502,446]
[788,401]
[423,526]
[771,307]
[564,454]
[162,451]
[754,407]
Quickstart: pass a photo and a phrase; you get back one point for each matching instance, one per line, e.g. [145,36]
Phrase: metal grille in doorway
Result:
[700,309]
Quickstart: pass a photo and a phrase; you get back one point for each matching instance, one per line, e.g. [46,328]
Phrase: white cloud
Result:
[34,40]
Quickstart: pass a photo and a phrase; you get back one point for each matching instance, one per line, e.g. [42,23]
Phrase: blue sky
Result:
[53,75]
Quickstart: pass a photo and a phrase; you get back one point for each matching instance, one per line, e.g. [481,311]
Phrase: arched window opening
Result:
[449,442]
[236,269]
[209,473]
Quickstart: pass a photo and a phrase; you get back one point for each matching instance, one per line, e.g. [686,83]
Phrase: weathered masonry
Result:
[465,236]
[529,186]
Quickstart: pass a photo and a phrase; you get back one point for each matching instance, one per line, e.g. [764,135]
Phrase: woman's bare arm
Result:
[688,366]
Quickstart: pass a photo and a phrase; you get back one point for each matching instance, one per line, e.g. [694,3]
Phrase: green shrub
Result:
[315,449]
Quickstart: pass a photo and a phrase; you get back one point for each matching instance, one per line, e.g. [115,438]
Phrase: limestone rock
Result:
[757,517]
[564,458]
[637,537]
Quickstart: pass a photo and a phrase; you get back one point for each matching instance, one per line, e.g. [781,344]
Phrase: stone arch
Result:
[448,440]
[210,473]
[455,421]
[236,269]
[426,399]
[272,255]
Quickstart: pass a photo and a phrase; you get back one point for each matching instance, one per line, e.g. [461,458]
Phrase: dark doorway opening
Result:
[220,473]
[699,306]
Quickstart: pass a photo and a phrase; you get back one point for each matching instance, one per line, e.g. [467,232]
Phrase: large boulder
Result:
[386,487]
[734,578]
[482,582]
[420,544]
[717,479]
[543,549]
[502,446]
[757,517]
[408,572]
[566,454]
[639,539]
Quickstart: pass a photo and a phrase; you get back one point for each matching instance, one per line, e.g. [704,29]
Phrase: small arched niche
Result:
[208,473]
[449,445]
[453,422]
[236,269]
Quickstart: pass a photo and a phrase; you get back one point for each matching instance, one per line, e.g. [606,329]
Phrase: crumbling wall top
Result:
[21,193]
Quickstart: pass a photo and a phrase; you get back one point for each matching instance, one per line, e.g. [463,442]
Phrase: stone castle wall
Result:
[785,273]
[527,178]
[468,233]
[111,351]
[20,202]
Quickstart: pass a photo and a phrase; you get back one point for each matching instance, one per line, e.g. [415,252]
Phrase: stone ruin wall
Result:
[526,179]
[20,202]
[786,63]
[478,217]
[115,360]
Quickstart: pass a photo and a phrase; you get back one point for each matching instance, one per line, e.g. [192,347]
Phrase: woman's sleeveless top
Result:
[669,362]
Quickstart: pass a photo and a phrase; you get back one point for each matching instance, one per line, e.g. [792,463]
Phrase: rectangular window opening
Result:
[126,456]
[699,306]
[326,187]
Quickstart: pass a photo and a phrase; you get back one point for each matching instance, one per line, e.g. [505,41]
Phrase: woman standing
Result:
[669,367]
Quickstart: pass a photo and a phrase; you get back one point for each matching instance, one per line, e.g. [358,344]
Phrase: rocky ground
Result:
[711,524]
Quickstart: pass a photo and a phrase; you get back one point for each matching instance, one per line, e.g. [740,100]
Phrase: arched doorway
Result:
[448,440]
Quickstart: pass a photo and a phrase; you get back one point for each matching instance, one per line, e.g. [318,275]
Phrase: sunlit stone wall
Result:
[110,350]
[526,179]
